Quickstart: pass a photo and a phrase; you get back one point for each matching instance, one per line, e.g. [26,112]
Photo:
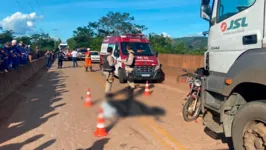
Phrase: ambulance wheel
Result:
[121,76]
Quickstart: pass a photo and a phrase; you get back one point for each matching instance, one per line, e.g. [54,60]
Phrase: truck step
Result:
[212,123]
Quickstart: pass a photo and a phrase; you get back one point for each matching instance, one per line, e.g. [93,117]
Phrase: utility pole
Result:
[55,37]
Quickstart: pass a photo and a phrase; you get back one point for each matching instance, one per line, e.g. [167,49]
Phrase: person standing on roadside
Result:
[16,54]
[108,69]
[60,57]
[48,56]
[130,64]
[88,63]
[3,60]
[8,51]
[74,58]
[37,53]
[29,52]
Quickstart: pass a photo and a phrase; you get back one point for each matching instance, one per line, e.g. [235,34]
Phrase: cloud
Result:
[165,34]
[20,23]
[193,34]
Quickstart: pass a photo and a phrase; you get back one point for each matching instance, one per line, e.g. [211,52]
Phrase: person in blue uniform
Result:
[21,48]
[2,57]
[16,57]
[9,53]
[48,56]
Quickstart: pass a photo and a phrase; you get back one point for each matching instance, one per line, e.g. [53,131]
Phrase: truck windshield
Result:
[63,46]
[228,8]
[140,49]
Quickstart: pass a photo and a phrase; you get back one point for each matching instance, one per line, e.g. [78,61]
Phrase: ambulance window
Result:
[111,45]
[228,8]
[116,46]
[140,49]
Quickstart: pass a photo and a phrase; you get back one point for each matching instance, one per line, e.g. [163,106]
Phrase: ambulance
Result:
[147,66]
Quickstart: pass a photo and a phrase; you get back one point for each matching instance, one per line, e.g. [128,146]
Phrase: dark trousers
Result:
[75,62]
[5,64]
[60,63]
[48,62]
[1,65]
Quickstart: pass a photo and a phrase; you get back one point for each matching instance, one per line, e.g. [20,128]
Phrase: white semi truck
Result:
[65,49]
[234,92]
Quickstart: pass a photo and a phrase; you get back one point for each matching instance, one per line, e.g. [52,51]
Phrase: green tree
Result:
[43,41]
[96,43]
[72,43]
[116,23]
[83,36]
[6,36]
[160,43]
[25,39]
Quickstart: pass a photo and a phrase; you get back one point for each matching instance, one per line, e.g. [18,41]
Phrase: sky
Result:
[176,18]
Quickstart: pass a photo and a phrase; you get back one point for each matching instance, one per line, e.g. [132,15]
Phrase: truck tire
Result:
[121,76]
[249,122]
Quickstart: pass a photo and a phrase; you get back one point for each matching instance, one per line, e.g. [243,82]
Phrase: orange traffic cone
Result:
[88,102]
[100,128]
[147,90]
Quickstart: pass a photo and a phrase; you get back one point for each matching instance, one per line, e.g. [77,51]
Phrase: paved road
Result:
[47,112]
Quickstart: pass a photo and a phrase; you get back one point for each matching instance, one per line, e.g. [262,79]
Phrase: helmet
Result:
[88,49]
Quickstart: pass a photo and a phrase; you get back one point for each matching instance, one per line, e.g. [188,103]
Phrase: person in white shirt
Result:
[74,54]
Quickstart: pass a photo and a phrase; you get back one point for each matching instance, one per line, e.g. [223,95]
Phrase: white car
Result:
[95,57]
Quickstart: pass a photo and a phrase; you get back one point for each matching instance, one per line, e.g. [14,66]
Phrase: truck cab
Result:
[233,96]
[147,65]
[65,49]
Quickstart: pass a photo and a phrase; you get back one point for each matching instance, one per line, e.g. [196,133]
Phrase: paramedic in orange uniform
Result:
[88,62]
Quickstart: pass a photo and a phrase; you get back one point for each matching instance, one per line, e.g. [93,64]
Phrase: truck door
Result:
[236,26]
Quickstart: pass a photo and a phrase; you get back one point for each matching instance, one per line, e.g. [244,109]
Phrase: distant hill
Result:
[192,42]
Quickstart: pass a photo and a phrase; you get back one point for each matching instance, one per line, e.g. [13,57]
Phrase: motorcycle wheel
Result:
[194,115]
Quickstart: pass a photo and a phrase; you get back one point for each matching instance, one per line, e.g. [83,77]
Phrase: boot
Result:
[86,69]
[91,69]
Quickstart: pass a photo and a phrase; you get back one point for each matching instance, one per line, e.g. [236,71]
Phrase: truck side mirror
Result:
[205,33]
[205,12]
[205,2]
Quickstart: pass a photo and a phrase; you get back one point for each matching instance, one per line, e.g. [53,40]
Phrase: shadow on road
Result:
[98,145]
[220,136]
[20,145]
[30,106]
[129,106]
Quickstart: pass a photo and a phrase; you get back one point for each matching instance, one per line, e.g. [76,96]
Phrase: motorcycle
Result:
[192,106]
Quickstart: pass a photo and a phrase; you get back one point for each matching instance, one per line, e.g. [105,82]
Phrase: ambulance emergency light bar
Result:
[129,36]
[133,36]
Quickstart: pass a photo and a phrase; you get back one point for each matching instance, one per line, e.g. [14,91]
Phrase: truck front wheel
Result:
[248,129]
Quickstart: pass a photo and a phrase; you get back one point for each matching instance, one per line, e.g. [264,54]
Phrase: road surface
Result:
[47,112]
